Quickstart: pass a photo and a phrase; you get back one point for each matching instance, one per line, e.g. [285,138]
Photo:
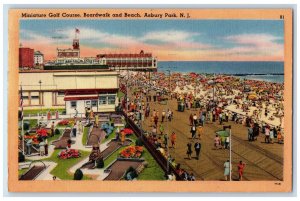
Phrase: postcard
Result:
[150,100]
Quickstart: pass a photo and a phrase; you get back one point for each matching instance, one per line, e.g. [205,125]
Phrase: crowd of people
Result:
[222,100]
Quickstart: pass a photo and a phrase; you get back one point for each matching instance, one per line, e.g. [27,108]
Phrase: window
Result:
[35,97]
[60,93]
[25,97]
[88,103]
[73,104]
[102,100]
[94,103]
[111,100]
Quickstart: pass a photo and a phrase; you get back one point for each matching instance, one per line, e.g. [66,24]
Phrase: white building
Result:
[38,58]
[45,89]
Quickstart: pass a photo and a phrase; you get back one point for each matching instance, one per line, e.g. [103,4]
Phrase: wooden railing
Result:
[161,160]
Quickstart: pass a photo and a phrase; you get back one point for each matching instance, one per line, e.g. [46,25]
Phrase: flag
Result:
[21,105]
[77,30]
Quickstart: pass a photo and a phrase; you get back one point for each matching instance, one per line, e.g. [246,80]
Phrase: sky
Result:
[168,40]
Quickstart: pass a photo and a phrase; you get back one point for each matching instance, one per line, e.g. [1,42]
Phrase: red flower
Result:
[131,152]
[42,132]
[63,122]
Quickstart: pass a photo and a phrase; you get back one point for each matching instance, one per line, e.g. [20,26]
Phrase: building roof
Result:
[62,71]
[124,55]
[38,53]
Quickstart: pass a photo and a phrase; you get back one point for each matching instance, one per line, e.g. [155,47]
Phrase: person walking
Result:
[49,115]
[227,170]
[96,120]
[227,141]
[156,120]
[56,115]
[199,131]
[154,130]
[220,118]
[42,148]
[163,115]
[173,140]
[46,147]
[123,137]
[203,119]
[197,147]
[189,150]
[28,146]
[52,129]
[165,140]
[193,131]
[250,133]
[191,119]
[272,135]
[161,129]
[217,141]
[80,128]
[241,167]
[195,119]
[86,113]
[169,114]
[267,134]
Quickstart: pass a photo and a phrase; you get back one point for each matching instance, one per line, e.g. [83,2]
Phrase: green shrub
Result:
[56,132]
[138,142]
[78,175]
[100,162]
[26,126]
[130,173]
[21,157]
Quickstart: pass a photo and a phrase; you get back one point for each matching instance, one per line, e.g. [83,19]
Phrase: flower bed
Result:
[127,131]
[132,152]
[69,153]
[42,132]
[63,123]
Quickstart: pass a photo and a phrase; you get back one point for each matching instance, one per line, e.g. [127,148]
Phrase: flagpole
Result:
[22,121]
[23,140]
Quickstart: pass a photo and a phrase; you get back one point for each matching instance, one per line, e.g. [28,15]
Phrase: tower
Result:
[76,44]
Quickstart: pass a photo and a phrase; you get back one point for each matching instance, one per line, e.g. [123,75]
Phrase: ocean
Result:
[226,67]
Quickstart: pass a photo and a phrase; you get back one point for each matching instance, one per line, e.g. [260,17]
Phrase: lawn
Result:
[32,122]
[153,171]
[111,136]
[114,156]
[85,135]
[44,111]
[55,137]
[61,170]
[22,171]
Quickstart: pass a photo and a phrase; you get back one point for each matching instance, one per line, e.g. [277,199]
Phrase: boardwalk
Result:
[263,161]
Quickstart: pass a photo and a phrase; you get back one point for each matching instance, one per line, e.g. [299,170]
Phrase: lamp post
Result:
[168,124]
[127,90]
[230,147]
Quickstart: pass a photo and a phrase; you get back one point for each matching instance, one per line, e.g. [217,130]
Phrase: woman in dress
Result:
[189,150]
[226,170]
[241,167]
[217,141]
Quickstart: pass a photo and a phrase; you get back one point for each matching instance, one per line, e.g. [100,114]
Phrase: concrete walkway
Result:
[45,175]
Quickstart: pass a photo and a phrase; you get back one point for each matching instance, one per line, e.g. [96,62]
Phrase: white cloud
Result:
[169,36]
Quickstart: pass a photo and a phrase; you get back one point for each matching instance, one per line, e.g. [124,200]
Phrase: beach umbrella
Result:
[220,80]
[210,82]
[127,131]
